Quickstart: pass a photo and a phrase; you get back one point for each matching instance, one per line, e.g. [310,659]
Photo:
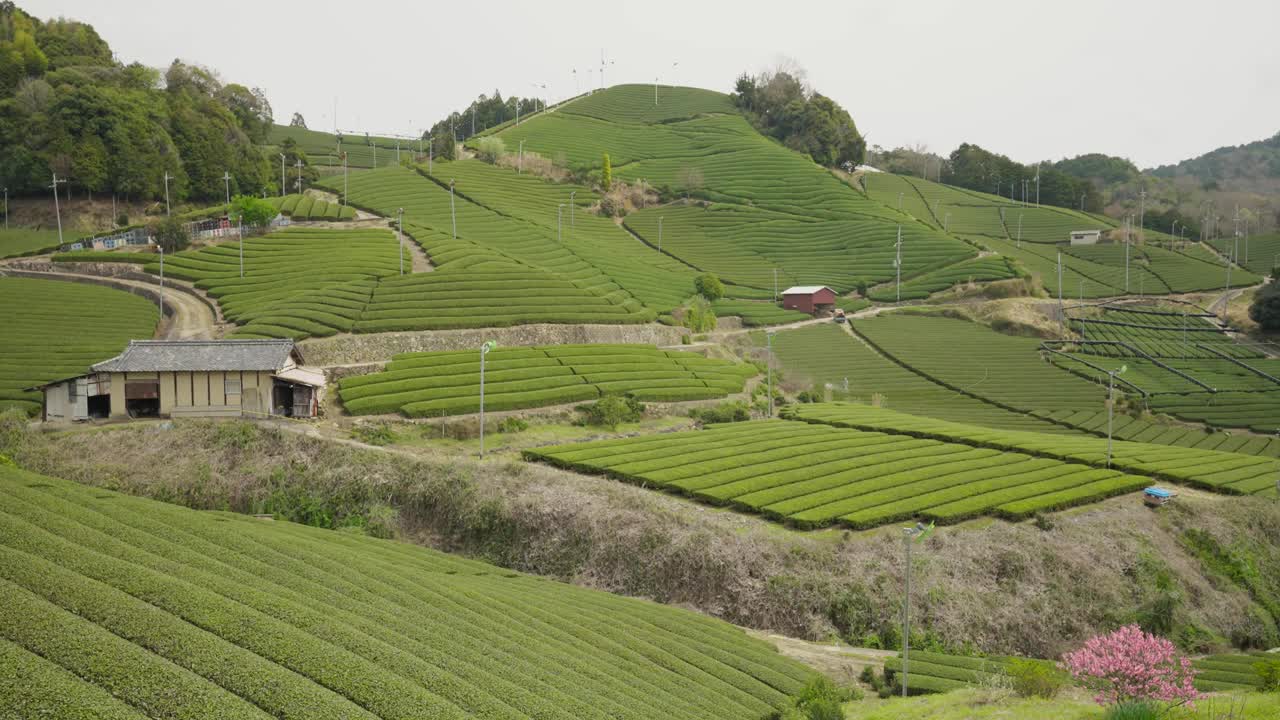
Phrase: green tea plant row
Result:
[1127,427]
[297,282]
[829,355]
[561,210]
[979,361]
[307,207]
[322,148]
[1256,411]
[745,245]
[488,239]
[448,383]
[132,603]
[50,329]
[24,241]
[1159,334]
[755,313]
[1156,377]
[940,672]
[811,475]
[1209,469]
[1260,255]
[976,270]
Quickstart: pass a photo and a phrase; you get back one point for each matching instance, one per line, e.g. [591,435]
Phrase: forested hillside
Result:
[67,106]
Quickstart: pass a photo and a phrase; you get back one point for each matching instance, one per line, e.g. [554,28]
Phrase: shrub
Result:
[170,234]
[611,411]
[709,286]
[734,411]
[820,699]
[611,206]
[698,315]
[1269,671]
[1134,710]
[251,210]
[491,148]
[122,219]
[1032,678]
[513,425]
[378,434]
[1132,666]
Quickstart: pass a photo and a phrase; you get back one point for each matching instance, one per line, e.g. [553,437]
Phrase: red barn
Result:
[809,298]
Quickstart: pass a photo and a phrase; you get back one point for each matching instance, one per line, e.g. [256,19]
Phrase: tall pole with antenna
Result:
[897,264]
[57,210]
[226,180]
[167,178]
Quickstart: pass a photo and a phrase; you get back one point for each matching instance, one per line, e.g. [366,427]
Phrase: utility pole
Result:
[1019,229]
[559,212]
[226,180]
[897,265]
[484,350]
[161,247]
[400,240]
[899,202]
[299,166]
[571,194]
[431,149]
[946,223]
[453,215]
[57,210]
[344,178]
[1062,322]
[240,232]
[1126,256]
[281,174]
[1111,405]
[1142,214]
[520,161]
[769,336]
[917,533]
[1038,185]
[167,178]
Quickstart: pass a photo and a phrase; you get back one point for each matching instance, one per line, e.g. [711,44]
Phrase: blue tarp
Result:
[1158,492]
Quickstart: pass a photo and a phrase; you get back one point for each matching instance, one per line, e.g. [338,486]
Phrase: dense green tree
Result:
[976,168]
[709,286]
[1265,309]
[67,106]
[780,105]
[170,234]
[251,210]
[606,174]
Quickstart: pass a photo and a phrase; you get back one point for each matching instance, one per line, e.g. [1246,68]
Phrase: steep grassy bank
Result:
[1203,571]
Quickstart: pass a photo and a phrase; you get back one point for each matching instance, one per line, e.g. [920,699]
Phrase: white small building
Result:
[1085,237]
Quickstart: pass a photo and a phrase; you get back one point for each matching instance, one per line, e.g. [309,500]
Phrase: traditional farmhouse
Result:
[190,378]
[1085,237]
[809,298]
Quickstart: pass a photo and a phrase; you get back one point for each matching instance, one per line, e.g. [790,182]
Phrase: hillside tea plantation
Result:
[116,606]
[448,383]
[811,475]
[1127,427]
[308,207]
[50,329]
[1208,469]
[826,354]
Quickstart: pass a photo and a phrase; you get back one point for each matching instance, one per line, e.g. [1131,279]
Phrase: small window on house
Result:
[72,390]
[231,386]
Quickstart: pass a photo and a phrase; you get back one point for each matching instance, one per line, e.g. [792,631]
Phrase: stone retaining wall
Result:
[358,349]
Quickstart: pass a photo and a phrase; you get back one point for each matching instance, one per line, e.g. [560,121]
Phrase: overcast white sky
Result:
[1035,79]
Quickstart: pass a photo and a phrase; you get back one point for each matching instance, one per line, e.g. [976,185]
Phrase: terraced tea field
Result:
[757,312]
[983,269]
[974,359]
[22,241]
[1256,411]
[490,243]
[322,148]
[811,475]
[745,245]
[939,672]
[307,207]
[297,282]
[1209,469]
[119,607]
[1261,255]
[448,383]
[1126,427]
[51,330]
[1158,331]
[828,354]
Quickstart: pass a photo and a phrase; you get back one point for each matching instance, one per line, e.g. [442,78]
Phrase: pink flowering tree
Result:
[1131,665]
